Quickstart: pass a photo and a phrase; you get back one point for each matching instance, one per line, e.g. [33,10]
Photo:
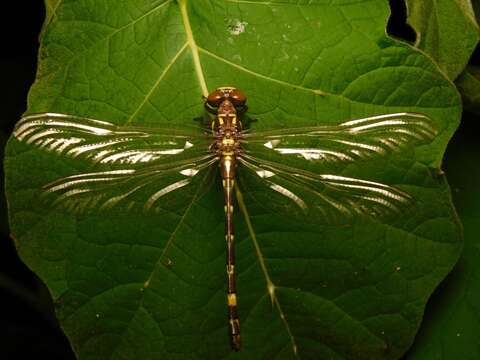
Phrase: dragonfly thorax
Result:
[227,133]
[226,118]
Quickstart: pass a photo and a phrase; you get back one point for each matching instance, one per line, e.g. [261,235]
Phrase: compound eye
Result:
[215,98]
[237,97]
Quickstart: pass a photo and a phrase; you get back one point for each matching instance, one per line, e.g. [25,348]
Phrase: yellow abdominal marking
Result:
[229,237]
[232,300]
[224,183]
[230,269]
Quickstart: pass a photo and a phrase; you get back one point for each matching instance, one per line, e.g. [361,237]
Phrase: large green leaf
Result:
[130,285]
[446,30]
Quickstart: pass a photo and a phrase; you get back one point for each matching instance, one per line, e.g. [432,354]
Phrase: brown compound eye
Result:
[237,97]
[215,98]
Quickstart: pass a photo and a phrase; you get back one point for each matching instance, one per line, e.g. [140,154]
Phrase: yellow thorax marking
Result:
[228,141]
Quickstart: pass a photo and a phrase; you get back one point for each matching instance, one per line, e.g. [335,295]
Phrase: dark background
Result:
[27,322]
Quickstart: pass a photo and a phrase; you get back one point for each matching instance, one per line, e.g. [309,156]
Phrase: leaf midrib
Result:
[193,47]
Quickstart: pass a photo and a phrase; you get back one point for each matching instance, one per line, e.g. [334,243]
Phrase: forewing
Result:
[102,142]
[348,141]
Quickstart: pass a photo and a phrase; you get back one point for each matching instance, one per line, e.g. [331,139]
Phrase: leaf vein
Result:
[157,83]
[270,284]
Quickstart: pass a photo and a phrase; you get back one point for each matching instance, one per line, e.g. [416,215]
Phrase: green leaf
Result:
[446,30]
[132,285]
[468,84]
[452,319]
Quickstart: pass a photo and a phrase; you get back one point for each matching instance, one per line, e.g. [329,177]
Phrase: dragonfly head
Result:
[226,103]
[216,98]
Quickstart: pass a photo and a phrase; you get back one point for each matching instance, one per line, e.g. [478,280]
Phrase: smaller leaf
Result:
[468,83]
[446,30]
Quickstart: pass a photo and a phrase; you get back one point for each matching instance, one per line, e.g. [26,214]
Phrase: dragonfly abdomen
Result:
[227,166]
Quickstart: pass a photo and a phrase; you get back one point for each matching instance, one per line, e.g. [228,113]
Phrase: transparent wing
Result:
[127,189]
[105,143]
[127,167]
[348,141]
[331,196]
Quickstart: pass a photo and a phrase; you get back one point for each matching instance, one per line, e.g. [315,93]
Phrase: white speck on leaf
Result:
[398,268]
[285,56]
[236,27]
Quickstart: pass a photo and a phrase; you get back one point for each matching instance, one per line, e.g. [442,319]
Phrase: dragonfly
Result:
[136,166]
